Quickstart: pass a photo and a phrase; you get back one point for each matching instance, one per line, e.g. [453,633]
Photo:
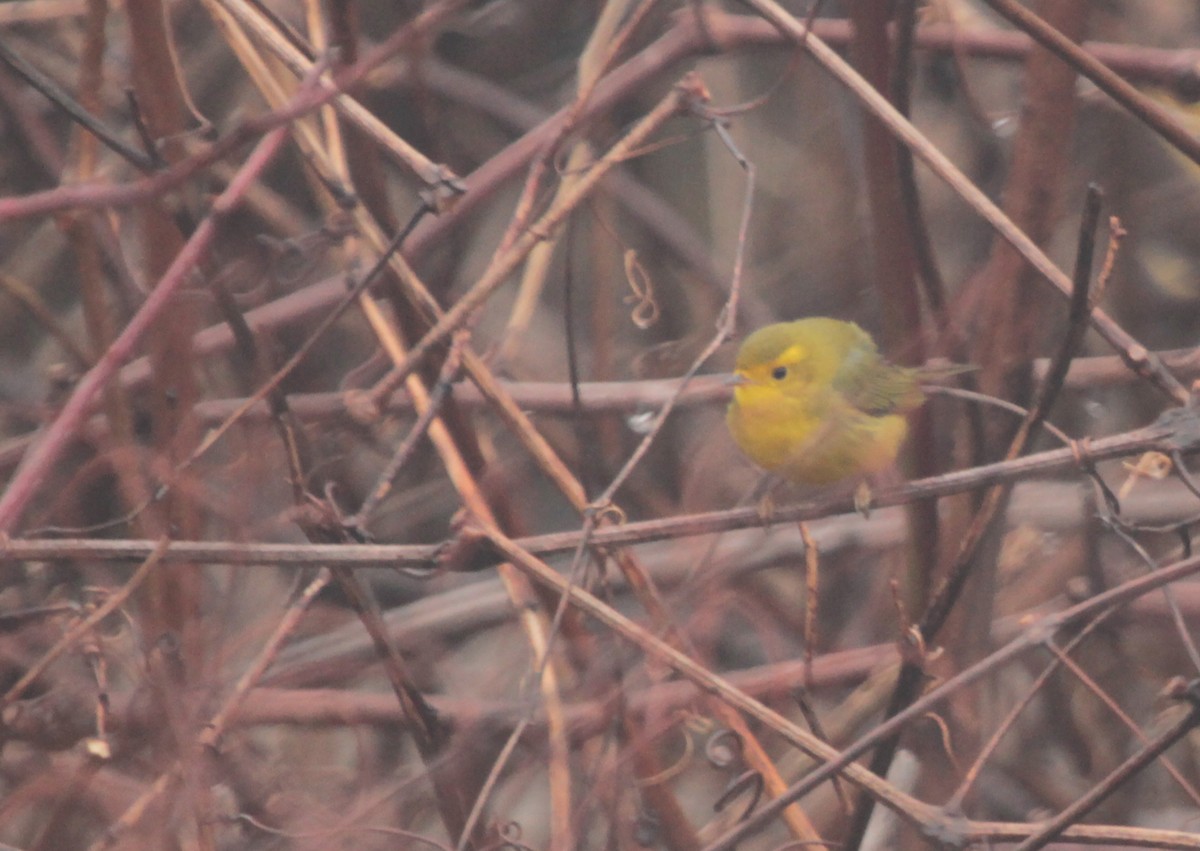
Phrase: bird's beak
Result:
[736,380]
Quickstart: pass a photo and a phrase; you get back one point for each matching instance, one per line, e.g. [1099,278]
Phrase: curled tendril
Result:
[610,511]
[1150,465]
[723,747]
[912,646]
[510,838]
[752,780]
[694,721]
[673,770]
[641,293]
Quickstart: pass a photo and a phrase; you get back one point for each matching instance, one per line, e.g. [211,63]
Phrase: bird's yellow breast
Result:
[814,438]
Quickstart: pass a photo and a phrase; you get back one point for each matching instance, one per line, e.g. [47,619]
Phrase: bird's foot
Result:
[766,509]
[862,499]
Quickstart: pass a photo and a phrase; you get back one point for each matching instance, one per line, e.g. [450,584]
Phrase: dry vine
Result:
[352,499]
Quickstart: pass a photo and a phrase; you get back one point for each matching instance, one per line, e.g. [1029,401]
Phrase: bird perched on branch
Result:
[815,401]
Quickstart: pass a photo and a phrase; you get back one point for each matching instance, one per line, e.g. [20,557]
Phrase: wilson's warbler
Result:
[815,402]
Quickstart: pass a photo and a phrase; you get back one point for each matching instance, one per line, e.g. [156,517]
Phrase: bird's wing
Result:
[874,386]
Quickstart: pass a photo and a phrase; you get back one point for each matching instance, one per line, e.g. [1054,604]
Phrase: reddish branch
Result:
[42,455]
[1164,437]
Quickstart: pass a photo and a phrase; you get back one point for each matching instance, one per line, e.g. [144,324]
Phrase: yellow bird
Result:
[815,402]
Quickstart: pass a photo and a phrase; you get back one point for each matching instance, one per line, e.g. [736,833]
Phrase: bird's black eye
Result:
[779,373]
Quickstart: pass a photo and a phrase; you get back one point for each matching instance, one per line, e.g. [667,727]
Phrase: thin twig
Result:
[42,455]
[1062,654]
[1107,80]
[212,731]
[1133,353]
[686,91]
[911,810]
[74,110]
[477,809]
[1187,720]
[83,627]
[965,562]
[1034,635]
[383,484]
[1153,438]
